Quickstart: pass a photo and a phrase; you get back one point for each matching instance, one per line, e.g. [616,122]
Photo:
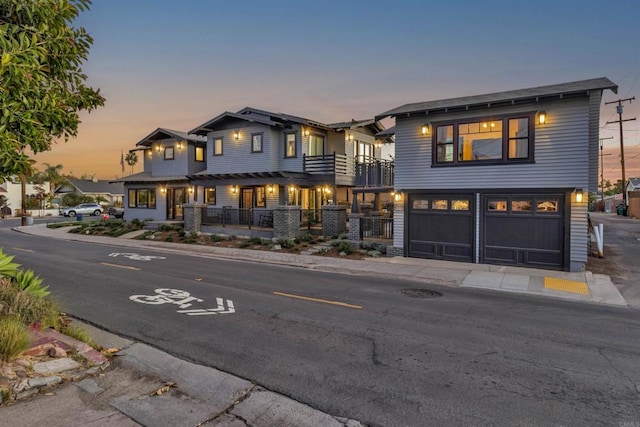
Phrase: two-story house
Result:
[500,178]
[257,160]
[160,190]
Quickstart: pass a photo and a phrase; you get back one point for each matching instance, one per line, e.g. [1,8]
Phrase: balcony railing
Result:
[375,173]
[337,164]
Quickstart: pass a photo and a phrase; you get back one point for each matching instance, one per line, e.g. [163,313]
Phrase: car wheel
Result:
[72,213]
[96,212]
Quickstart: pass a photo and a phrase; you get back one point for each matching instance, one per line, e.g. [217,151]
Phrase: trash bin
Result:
[79,217]
[619,209]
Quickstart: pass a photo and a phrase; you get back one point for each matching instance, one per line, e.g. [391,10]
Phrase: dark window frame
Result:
[133,201]
[261,135]
[216,139]
[258,202]
[170,149]
[195,154]
[206,195]
[295,145]
[504,119]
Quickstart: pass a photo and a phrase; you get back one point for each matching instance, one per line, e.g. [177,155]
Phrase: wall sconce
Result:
[579,195]
[163,190]
[270,189]
[236,135]
[158,148]
[149,151]
[305,131]
[425,129]
[291,189]
[326,190]
[349,137]
[234,189]
[397,196]
[179,145]
[542,117]
[190,190]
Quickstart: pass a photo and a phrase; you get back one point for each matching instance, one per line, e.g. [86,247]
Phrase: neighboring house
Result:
[500,178]
[12,192]
[633,184]
[258,160]
[112,192]
[162,188]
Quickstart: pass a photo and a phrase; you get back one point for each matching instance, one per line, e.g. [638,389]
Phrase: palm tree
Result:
[53,175]
[131,158]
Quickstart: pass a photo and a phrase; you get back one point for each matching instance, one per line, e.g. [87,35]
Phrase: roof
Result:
[163,133]
[375,125]
[387,132]
[88,186]
[512,97]
[257,116]
[146,177]
[634,182]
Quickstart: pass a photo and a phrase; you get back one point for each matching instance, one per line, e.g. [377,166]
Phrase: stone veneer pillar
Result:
[286,222]
[354,226]
[192,214]
[334,220]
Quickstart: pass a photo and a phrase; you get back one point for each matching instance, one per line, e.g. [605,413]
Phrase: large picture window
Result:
[490,140]
[142,198]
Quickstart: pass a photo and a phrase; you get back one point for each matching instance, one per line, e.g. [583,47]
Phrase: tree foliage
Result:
[131,159]
[42,86]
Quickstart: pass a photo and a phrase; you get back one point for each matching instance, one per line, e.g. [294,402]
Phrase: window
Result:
[168,153]
[460,205]
[547,205]
[363,151]
[261,197]
[497,205]
[440,204]
[210,195]
[521,206]
[316,145]
[421,204]
[256,143]
[290,145]
[142,198]
[217,147]
[490,140]
[199,154]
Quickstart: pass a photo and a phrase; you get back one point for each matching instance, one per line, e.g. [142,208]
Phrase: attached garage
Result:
[508,229]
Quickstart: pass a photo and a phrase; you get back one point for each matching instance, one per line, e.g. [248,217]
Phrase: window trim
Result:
[169,153]
[295,145]
[195,154]
[504,118]
[151,196]
[216,139]
[261,135]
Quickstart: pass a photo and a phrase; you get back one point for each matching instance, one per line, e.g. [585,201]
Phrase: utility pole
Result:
[602,168]
[619,111]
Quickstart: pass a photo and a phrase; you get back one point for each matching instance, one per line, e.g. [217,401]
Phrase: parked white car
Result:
[83,209]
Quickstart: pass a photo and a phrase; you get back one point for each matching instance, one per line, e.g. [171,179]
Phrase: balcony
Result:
[375,173]
[335,164]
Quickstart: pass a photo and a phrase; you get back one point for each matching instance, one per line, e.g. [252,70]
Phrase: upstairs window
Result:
[484,141]
[168,153]
[199,154]
[256,143]
[364,152]
[217,147]
[316,145]
[290,145]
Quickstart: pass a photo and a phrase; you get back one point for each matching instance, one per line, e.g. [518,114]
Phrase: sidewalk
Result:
[581,286]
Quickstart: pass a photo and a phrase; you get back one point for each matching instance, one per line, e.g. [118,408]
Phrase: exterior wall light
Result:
[579,195]
[291,189]
[397,197]
[270,189]
[158,148]
[163,190]
[349,137]
[236,135]
[425,130]
[179,145]
[191,190]
[305,131]
[234,189]
[150,152]
[542,117]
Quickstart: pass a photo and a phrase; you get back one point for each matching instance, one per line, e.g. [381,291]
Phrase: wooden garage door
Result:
[525,230]
[441,226]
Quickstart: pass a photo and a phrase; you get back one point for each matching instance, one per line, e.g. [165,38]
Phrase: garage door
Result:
[441,226]
[525,230]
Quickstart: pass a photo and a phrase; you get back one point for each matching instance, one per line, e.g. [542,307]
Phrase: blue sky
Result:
[178,63]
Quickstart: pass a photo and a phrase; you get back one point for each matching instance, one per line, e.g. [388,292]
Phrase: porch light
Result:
[305,131]
[291,189]
[425,129]
[179,145]
[579,195]
[190,190]
[542,117]
[236,135]
[327,190]
[234,189]
[158,148]
[150,151]
[349,137]
[397,197]
[163,190]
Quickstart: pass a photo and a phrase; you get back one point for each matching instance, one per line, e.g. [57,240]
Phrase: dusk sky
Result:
[179,63]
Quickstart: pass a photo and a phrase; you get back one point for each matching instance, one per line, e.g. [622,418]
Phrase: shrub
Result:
[136,223]
[14,338]
[244,244]
[27,308]
[345,247]
[215,238]
[306,238]
[343,236]
[28,282]
[79,334]
[255,241]
[169,239]
[8,268]
[288,244]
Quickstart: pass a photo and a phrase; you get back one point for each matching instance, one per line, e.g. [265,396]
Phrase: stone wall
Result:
[334,220]
[286,222]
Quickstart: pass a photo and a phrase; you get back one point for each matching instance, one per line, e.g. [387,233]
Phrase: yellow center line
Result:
[23,250]
[341,304]
[119,266]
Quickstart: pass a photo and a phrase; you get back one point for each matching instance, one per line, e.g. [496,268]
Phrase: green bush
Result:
[244,244]
[288,244]
[215,238]
[306,238]
[346,248]
[28,282]
[254,241]
[79,334]
[136,223]
[28,309]
[14,338]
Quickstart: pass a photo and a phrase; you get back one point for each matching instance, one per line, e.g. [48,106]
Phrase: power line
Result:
[619,110]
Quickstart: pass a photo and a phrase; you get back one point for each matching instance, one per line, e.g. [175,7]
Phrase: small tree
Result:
[131,159]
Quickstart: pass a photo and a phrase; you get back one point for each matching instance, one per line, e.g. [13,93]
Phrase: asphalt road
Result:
[469,357]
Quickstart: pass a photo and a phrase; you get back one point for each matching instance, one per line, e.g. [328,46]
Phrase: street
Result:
[357,346]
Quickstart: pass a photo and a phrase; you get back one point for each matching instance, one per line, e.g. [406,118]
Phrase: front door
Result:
[176,197]
[246,203]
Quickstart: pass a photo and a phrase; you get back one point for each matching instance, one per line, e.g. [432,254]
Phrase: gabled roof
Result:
[88,186]
[373,124]
[163,133]
[635,182]
[512,97]
[146,177]
[256,116]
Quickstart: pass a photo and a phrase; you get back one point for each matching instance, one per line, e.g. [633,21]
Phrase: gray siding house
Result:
[258,160]
[500,178]
[160,190]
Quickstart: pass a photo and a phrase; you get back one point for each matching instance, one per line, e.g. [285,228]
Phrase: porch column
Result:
[354,226]
[286,222]
[334,220]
